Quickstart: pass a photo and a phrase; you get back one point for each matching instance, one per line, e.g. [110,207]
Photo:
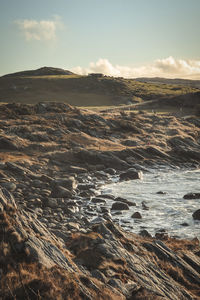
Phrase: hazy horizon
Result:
[86,71]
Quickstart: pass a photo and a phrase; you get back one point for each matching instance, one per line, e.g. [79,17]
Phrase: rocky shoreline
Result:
[58,240]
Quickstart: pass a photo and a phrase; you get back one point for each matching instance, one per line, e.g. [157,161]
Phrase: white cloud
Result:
[168,67]
[39,30]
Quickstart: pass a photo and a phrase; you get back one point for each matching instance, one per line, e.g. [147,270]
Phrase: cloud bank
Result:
[168,67]
[44,30]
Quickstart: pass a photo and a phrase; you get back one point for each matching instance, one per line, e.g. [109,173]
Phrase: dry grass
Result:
[83,90]
[182,245]
[178,275]
[7,156]
[89,142]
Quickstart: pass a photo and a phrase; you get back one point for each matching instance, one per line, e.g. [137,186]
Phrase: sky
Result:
[129,38]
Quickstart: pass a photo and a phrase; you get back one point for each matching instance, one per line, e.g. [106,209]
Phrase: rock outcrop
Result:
[104,263]
[57,236]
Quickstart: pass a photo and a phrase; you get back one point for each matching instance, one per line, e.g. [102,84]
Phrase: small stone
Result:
[185,224]
[86,187]
[71,210]
[52,203]
[45,192]
[116,283]
[144,206]
[77,170]
[37,183]
[162,234]
[68,183]
[97,220]
[98,200]
[136,215]
[46,178]
[145,233]
[72,225]
[130,203]
[86,194]
[161,193]
[104,209]
[8,185]
[60,192]
[110,171]
[99,275]
[107,196]
[37,202]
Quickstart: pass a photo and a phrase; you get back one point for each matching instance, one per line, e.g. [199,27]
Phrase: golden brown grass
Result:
[83,90]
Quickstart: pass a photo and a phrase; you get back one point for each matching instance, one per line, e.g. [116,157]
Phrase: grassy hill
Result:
[175,81]
[184,104]
[52,84]
[44,71]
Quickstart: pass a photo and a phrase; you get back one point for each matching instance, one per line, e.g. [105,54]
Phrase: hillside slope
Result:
[176,81]
[51,84]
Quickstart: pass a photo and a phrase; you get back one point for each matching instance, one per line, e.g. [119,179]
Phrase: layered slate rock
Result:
[105,263]
[57,236]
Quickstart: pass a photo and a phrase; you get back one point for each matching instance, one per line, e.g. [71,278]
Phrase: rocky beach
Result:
[59,239]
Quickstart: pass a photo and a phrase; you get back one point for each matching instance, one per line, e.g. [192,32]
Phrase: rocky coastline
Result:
[58,239]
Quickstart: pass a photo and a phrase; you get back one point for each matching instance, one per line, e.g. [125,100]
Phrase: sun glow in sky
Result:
[130,38]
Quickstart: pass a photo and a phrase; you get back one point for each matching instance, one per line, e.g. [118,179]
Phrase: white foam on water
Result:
[166,211]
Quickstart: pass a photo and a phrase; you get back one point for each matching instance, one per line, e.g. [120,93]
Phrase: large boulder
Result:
[192,196]
[61,192]
[108,159]
[131,174]
[68,183]
[119,206]
[196,215]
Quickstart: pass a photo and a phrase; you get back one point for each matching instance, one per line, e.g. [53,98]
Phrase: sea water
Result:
[168,211]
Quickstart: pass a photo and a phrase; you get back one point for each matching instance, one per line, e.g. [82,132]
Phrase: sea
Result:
[161,191]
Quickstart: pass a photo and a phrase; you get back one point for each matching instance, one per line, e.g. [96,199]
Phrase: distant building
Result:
[96,75]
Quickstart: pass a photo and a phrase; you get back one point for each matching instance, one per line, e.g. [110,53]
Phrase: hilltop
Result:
[44,71]
[52,84]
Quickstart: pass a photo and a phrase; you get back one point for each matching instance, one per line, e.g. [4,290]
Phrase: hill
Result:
[176,81]
[52,84]
[182,104]
[44,71]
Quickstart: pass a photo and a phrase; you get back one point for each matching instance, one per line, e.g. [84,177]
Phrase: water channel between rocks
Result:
[166,211]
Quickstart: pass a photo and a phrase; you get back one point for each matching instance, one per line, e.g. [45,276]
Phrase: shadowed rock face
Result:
[56,236]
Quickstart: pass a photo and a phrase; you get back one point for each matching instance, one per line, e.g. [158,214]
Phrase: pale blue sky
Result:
[131,34]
